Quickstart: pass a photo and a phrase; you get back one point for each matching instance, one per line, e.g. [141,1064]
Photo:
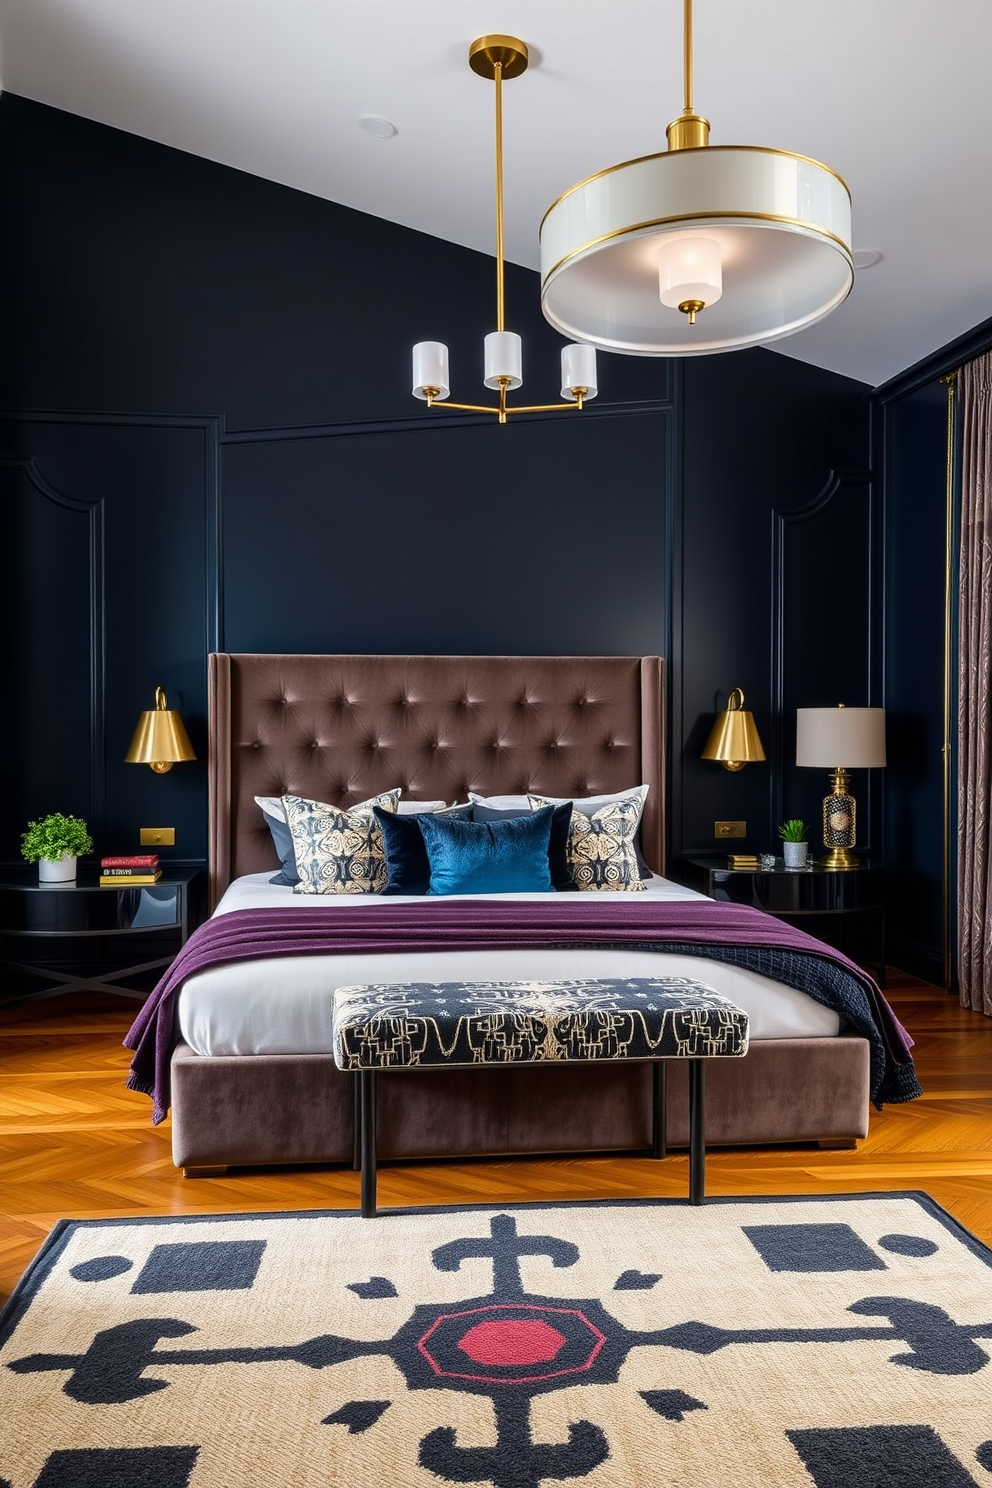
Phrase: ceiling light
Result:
[776,228]
[498,58]
[377,126]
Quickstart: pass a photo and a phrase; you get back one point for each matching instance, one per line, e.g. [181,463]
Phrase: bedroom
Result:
[220,362]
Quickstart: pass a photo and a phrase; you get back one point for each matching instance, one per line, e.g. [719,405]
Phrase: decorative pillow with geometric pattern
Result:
[601,853]
[338,852]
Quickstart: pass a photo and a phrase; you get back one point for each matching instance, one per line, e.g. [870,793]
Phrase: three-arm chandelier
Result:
[500,58]
[749,244]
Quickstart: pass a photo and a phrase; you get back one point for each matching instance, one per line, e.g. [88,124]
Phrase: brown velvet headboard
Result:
[343,728]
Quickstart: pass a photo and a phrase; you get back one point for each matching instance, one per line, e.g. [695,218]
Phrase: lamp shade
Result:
[734,741]
[782,223]
[840,738]
[160,739]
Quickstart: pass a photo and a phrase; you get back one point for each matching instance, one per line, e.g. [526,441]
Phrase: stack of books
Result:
[743,860]
[122,872]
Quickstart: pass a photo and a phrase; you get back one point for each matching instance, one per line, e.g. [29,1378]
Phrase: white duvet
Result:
[283,1006]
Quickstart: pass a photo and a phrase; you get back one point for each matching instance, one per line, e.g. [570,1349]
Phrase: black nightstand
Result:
[76,935]
[843,907]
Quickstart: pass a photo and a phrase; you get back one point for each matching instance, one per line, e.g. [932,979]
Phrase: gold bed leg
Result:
[217,1172]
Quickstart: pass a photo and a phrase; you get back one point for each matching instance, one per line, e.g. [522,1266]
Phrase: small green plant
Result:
[794,830]
[54,836]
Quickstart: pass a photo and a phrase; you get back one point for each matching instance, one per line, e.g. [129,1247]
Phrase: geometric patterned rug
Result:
[819,1342]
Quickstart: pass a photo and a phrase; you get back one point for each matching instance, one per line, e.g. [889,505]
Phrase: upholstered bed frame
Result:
[343,728]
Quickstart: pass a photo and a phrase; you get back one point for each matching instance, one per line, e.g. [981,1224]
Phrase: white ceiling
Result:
[895,95]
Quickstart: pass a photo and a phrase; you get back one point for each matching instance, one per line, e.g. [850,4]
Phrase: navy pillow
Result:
[561,876]
[496,857]
[408,868]
[282,841]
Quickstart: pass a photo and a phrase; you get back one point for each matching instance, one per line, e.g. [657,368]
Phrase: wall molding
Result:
[838,481]
[30,470]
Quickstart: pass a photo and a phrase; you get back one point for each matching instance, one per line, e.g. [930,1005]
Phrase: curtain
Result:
[975,689]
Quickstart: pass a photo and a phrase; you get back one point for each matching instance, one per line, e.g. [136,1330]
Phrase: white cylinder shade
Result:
[578,370]
[430,369]
[689,269]
[782,223]
[840,738]
[504,359]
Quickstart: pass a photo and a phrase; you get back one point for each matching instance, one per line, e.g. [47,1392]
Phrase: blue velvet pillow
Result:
[408,868]
[496,857]
[561,873]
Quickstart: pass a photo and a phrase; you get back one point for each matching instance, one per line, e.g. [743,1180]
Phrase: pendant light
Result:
[500,58]
[701,248]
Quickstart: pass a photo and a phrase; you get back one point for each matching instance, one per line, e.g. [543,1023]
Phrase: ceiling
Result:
[894,95]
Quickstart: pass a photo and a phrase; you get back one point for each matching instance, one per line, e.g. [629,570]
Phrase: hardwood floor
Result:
[74,1143]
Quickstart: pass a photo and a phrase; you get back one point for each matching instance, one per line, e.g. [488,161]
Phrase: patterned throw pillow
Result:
[601,852]
[338,852]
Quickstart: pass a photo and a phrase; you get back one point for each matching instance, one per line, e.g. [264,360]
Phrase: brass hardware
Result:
[160,739]
[730,829]
[690,131]
[951,381]
[506,52]
[692,309]
[157,836]
[734,740]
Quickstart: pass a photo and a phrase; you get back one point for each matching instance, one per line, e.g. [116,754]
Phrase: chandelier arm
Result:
[502,410]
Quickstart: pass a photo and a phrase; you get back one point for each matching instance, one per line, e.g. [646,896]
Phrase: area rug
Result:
[842,1342]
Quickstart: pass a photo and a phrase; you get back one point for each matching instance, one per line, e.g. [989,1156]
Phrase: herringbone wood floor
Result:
[74,1143]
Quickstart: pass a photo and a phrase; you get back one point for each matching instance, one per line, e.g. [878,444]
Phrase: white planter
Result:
[57,870]
[795,854]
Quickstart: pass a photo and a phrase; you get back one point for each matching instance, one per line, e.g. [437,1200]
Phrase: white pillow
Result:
[272,806]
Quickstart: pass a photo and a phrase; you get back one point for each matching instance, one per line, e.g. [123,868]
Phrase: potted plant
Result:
[54,842]
[795,846]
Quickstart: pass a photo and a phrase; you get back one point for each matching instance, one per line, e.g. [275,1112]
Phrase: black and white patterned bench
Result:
[404,1025]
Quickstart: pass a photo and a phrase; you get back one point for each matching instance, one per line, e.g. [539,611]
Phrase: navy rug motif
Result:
[826,1342]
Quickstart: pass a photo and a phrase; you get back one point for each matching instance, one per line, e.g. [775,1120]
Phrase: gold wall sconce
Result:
[734,740]
[160,740]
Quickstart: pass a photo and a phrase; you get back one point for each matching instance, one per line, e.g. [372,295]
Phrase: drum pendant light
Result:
[699,249]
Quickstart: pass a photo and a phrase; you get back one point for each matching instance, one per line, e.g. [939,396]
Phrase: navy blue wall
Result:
[210,443]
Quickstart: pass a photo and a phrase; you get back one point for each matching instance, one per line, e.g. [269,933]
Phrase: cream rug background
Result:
[834,1342]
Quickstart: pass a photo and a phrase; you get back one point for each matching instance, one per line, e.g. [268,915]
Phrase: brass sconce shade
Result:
[734,739]
[160,740]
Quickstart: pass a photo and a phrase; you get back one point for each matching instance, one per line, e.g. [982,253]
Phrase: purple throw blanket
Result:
[461,924]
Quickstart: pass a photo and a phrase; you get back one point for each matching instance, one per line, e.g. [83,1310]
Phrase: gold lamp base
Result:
[840,857]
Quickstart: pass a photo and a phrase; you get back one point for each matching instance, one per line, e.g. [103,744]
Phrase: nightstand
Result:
[844,907]
[77,935]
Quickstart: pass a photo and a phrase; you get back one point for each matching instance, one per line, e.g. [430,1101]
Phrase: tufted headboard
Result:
[343,728]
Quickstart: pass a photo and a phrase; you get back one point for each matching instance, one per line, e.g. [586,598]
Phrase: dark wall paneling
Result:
[915,443]
[115,520]
[546,536]
[763,436]
[825,558]
[52,588]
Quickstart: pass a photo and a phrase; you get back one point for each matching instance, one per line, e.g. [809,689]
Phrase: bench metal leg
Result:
[659,1109]
[356,1123]
[367,1083]
[697,1130]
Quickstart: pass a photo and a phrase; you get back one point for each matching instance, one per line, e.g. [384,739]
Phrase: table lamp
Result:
[840,739]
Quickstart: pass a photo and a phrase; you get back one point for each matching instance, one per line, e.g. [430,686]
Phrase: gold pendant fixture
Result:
[500,58]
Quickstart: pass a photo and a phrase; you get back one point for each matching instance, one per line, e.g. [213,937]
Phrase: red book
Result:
[137,860]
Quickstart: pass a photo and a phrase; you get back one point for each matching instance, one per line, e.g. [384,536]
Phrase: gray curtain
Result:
[975,689]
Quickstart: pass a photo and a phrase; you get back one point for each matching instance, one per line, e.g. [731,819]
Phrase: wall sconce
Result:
[840,739]
[160,740]
[734,739]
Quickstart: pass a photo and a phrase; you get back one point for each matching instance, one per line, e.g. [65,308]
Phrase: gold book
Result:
[125,881]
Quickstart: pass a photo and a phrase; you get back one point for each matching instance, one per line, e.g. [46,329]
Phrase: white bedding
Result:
[283,1006]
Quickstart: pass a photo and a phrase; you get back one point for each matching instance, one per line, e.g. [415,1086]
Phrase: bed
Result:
[252,1083]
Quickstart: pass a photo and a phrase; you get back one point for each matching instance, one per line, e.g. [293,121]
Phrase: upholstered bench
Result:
[408,1025]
